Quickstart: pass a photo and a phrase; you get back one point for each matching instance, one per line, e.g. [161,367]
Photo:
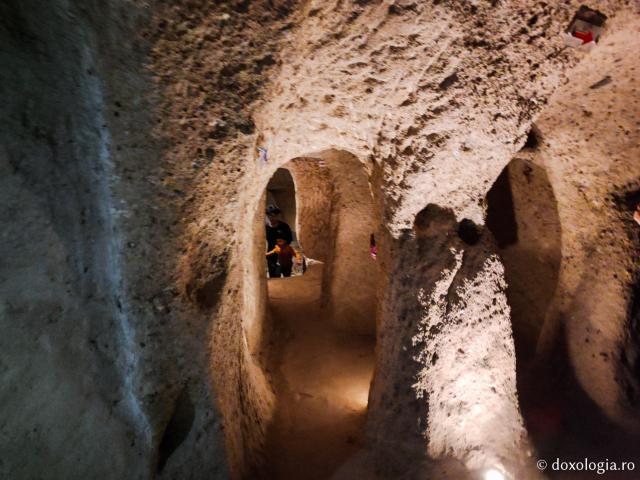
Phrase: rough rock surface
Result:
[590,138]
[132,290]
[468,370]
[70,369]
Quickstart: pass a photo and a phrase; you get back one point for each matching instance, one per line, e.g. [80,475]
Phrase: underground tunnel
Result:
[489,148]
[322,332]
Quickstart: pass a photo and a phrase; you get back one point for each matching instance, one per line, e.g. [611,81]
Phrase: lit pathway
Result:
[321,378]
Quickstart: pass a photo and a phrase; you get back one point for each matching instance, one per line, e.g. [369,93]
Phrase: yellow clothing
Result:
[285,253]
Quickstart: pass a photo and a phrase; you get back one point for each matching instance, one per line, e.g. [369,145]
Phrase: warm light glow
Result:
[493,474]
[361,397]
[353,387]
[357,395]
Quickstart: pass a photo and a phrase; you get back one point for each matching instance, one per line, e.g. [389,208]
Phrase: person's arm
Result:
[296,254]
[275,250]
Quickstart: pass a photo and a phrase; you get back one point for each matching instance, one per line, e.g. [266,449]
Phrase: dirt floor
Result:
[321,378]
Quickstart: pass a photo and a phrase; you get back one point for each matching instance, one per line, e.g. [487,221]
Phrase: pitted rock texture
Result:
[132,289]
[422,90]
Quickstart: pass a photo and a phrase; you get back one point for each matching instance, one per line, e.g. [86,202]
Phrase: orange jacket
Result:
[285,253]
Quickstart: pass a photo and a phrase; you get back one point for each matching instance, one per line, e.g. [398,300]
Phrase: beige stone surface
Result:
[133,300]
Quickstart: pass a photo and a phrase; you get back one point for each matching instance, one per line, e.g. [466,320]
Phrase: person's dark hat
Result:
[272,210]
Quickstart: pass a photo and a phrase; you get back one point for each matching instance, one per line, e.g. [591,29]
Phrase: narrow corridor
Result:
[321,378]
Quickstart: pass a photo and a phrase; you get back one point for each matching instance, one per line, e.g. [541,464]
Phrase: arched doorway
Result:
[321,326]
[522,215]
[281,192]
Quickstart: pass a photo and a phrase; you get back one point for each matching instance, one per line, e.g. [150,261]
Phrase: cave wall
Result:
[254,319]
[336,216]
[441,113]
[426,102]
[67,354]
[206,107]
[589,149]
[351,275]
[131,183]
[437,112]
[314,192]
[446,386]
[98,351]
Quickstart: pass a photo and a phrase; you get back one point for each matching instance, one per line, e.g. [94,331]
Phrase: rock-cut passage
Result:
[322,333]
[321,377]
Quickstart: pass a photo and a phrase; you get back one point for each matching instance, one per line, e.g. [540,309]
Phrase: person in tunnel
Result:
[285,254]
[275,229]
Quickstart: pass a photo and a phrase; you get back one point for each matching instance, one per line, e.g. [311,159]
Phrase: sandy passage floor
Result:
[321,378]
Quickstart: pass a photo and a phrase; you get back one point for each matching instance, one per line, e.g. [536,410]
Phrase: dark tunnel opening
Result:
[501,214]
[281,192]
[523,218]
[286,258]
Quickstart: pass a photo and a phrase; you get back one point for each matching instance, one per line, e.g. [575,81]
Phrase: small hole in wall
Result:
[177,429]
[469,232]
[533,139]
[501,215]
